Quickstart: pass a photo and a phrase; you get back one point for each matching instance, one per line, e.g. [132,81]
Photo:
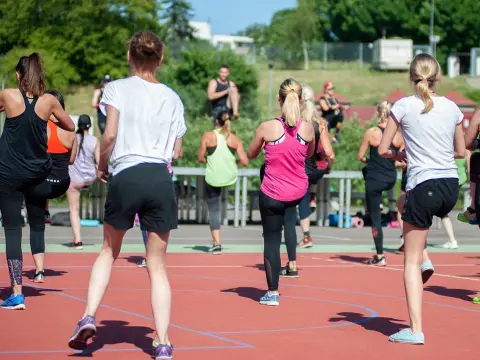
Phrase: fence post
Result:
[360,55]
[341,199]
[244,202]
[348,203]
[237,201]
[325,58]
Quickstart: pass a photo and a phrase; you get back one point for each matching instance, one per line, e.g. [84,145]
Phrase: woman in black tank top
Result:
[380,175]
[24,162]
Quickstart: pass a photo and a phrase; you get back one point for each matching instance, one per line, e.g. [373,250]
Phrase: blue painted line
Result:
[210,335]
[328,289]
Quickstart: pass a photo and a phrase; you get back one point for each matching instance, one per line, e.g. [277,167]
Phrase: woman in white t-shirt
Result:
[431,126]
[145,123]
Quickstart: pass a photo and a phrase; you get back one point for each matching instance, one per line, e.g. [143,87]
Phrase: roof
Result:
[459,99]
[394,96]
[341,99]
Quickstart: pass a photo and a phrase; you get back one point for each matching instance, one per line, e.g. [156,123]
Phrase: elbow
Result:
[250,156]
[244,162]
[382,151]
[460,154]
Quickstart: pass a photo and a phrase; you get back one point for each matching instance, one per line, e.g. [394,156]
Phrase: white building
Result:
[240,44]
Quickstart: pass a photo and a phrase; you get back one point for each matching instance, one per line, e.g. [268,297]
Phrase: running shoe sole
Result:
[408,342]
[16,307]
[270,303]
[290,276]
[38,281]
[79,340]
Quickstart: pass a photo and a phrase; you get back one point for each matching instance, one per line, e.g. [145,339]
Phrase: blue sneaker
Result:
[406,336]
[427,270]
[14,302]
[162,352]
[270,299]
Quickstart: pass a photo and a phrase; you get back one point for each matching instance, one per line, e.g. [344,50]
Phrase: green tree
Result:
[177,15]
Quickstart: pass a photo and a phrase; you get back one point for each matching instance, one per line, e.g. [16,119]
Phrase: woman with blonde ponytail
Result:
[380,176]
[218,149]
[432,128]
[288,141]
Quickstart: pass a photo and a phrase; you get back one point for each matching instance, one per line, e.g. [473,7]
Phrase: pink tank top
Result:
[285,178]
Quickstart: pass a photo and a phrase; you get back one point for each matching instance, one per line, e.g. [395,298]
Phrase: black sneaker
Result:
[142,263]
[76,245]
[289,273]
[215,249]
[39,277]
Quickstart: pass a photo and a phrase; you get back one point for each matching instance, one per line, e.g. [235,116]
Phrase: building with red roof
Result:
[394,96]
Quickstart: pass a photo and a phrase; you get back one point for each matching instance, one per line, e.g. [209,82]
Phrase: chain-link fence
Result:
[332,56]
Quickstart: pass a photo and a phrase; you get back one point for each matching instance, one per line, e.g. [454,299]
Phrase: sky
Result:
[229,16]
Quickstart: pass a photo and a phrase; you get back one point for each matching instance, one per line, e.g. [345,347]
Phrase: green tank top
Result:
[462,171]
[221,165]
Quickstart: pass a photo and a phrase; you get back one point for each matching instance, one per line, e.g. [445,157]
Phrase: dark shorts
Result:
[146,190]
[475,167]
[435,197]
[403,185]
[315,176]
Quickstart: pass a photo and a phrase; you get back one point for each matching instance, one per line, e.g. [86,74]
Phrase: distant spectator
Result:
[97,97]
[223,95]
[331,109]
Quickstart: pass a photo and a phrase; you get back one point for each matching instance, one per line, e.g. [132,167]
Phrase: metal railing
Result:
[192,202]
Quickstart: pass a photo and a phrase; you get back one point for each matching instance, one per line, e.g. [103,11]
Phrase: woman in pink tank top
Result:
[288,141]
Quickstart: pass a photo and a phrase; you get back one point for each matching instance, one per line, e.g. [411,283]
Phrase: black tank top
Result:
[311,162]
[380,168]
[23,145]
[330,102]
[223,100]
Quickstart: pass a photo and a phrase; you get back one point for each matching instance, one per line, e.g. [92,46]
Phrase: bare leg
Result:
[161,292]
[447,225]
[73,197]
[233,101]
[216,237]
[39,260]
[415,240]
[102,268]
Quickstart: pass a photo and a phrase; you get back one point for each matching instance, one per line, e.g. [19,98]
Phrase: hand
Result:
[102,175]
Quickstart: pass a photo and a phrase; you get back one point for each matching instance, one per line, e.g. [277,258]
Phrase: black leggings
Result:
[289,226]
[373,194]
[36,200]
[214,201]
[273,213]
[334,121]
[12,192]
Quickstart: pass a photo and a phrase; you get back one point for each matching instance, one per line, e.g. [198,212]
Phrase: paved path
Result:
[196,238]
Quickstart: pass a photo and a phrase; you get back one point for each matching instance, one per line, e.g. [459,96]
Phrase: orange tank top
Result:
[54,145]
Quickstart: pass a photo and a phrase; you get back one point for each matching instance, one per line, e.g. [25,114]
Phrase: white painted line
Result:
[435,274]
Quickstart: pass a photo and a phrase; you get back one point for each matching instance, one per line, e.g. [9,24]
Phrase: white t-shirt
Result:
[428,138]
[151,119]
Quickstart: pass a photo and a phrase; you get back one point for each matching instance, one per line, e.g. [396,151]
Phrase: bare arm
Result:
[325,139]
[212,88]
[364,147]
[242,157]
[64,121]
[178,148]
[97,153]
[324,105]
[468,154]
[387,138]
[203,149]
[256,144]
[109,137]
[73,151]
[96,95]
[459,142]
[472,131]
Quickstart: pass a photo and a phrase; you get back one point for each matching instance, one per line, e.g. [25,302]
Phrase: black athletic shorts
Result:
[475,167]
[435,197]
[144,189]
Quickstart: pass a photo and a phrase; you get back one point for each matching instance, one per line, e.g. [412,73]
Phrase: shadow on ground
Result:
[27,291]
[462,294]
[118,332]
[246,292]
[47,273]
[382,325]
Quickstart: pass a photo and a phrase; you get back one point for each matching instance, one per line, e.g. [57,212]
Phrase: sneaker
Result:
[39,277]
[142,263]
[406,336]
[14,302]
[306,242]
[377,260]
[162,352]
[452,245]
[47,217]
[85,330]
[215,249]
[476,300]
[427,271]
[76,245]
[288,273]
[270,299]
[467,216]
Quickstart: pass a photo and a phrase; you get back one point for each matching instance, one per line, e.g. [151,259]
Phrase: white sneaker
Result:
[450,245]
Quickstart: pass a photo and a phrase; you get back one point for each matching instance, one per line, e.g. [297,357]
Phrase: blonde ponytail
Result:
[224,122]
[309,113]
[383,110]
[424,73]
[290,93]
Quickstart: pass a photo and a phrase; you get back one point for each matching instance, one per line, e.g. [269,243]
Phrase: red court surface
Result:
[337,309]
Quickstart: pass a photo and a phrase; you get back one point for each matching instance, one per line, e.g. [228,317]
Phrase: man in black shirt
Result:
[223,94]
[331,110]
